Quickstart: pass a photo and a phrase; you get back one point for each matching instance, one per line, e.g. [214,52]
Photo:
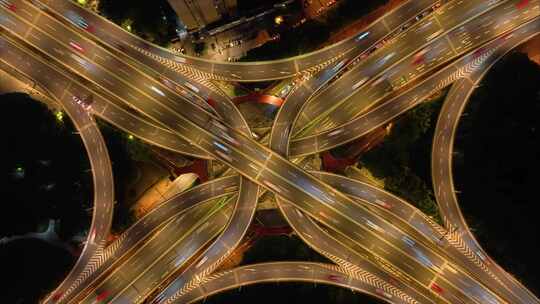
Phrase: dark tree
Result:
[44,170]
[152,20]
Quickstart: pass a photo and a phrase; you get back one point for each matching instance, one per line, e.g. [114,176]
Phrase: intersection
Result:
[397,254]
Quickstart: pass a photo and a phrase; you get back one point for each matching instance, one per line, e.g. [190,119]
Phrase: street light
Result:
[19,172]
[59,116]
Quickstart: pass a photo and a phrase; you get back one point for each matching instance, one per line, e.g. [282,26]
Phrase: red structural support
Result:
[260,98]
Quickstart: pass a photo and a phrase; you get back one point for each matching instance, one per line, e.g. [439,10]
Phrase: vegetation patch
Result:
[151,20]
[403,160]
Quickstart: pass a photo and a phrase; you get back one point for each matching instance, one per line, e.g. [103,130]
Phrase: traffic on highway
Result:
[380,244]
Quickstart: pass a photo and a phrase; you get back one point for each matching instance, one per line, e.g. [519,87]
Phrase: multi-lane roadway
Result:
[244,71]
[386,242]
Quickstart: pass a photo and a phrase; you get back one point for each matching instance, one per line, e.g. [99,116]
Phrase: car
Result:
[436,288]
[8,5]
[179,59]
[158,91]
[387,57]
[191,87]
[57,296]
[383,293]
[335,132]
[81,61]
[78,21]
[434,35]
[521,4]
[482,256]
[84,101]
[221,146]
[507,36]
[408,241]
[479,52]
[383,204]
[358,84]
[424,259]
[76,46]
[364,55]
[393,281]
[378,81]
[101,297]
[374,226]
[335,278]
[362,36]
[201,262]
[339,65]
[158,298]
[419,57]
[211,102]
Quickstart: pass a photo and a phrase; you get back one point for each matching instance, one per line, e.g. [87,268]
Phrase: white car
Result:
[191,87]
[361,82]
[201,262]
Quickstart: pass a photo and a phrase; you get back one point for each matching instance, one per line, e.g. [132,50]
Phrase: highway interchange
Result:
[395,253]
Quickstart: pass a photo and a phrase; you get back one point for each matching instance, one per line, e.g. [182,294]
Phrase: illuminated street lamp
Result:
[19,172]
[127,24]
[278,20]
[59,116]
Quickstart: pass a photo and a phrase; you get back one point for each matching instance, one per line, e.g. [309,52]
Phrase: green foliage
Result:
[151,20]
[395,162]
[413,189]
[138,151]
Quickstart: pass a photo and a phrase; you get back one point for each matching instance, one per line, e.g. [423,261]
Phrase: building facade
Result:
[314,8]
[196,14]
